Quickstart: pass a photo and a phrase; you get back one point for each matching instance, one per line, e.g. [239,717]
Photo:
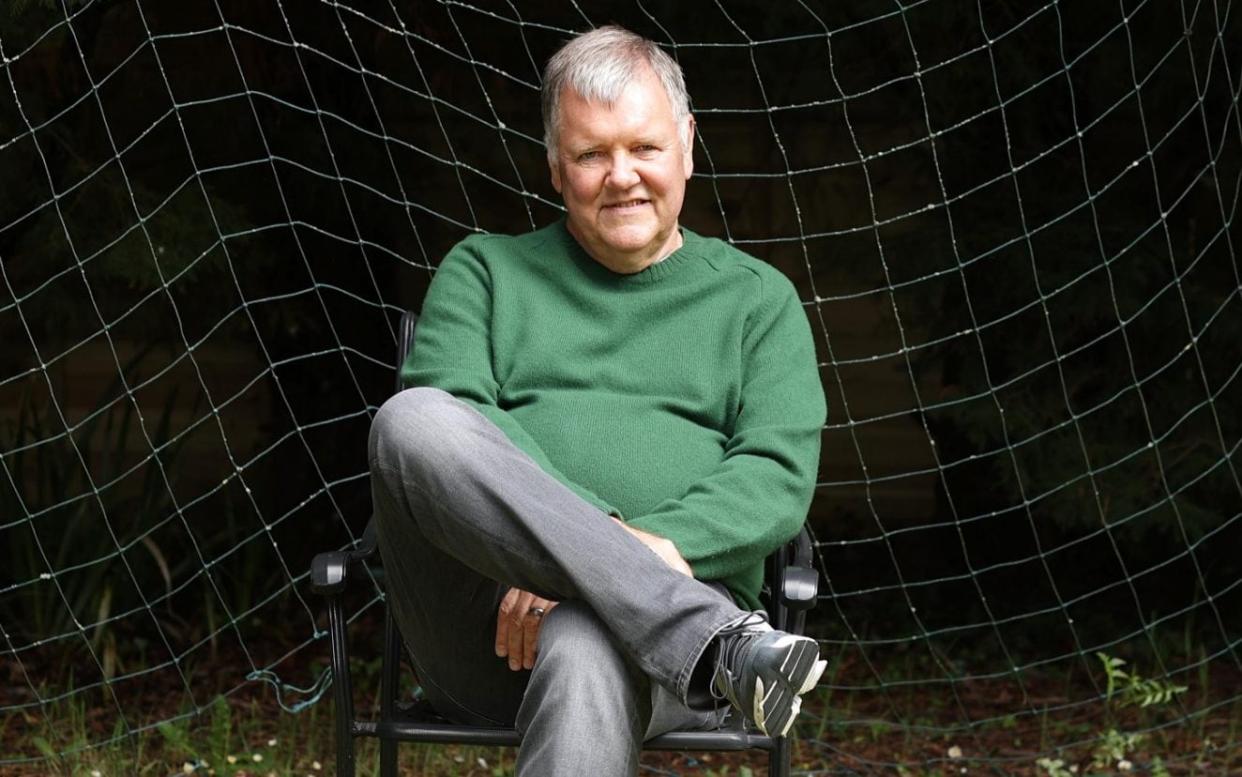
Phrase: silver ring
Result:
[537,611]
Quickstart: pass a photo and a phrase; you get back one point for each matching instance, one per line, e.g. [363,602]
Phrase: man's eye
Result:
[646,149]
[587,156]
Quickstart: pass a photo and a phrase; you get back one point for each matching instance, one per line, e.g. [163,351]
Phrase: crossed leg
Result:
[462,515]
[587,708]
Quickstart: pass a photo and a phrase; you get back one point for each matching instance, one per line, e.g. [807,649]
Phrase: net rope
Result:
[1011,227]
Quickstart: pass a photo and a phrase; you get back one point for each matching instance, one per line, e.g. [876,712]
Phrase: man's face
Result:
[622,171]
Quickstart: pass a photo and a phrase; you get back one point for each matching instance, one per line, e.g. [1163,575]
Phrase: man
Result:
[618,420]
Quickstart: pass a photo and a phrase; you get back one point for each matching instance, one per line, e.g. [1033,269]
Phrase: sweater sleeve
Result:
[757,498]
[452,350]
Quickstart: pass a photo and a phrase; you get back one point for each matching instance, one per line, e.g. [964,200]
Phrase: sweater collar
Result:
[670,266]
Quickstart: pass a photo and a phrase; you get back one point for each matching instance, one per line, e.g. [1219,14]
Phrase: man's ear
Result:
[555,169]
[687,157]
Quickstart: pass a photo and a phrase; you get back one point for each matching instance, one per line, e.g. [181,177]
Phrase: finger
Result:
[530,636]
[530,647]
[503,620]
[516,635]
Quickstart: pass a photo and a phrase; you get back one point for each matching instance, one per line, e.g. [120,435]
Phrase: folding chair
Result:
[789,591]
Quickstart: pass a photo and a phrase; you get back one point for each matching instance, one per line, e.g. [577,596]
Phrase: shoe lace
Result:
[732,641]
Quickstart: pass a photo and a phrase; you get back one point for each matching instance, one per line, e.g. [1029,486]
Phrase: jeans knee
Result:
[582,690]
[577,651]
[408,420]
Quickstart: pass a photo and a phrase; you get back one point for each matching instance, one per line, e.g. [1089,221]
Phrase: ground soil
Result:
[924,726]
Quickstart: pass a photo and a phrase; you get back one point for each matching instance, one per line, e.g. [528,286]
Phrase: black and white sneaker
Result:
[763,672]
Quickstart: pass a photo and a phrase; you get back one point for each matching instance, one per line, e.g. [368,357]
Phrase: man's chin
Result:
[634,236]
[619,234]
[622,244]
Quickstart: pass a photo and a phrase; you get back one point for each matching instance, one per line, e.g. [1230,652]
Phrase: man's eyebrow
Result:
[585,145]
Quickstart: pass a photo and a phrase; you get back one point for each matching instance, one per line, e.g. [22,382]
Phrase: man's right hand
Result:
[664,548]
[517,627]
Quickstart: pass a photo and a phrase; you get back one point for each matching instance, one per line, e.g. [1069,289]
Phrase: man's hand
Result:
[517,627]
[662,547]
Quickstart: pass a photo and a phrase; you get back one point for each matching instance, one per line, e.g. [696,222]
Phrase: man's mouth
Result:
[626,204]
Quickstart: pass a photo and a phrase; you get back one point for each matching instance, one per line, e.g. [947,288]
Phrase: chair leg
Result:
[389,679]
[343,690]
[779,760]
[388,758]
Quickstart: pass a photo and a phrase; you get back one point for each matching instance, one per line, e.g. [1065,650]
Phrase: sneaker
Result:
[763,672]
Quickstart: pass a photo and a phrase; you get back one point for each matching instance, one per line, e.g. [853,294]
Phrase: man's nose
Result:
[622,173]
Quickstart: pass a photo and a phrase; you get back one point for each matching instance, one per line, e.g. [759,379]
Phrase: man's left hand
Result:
[518,620]
[664,548]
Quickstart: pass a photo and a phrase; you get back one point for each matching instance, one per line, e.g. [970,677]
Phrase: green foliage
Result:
[1130,688]
[1113,748]
[176,735]
[44,747]
[219,738]
[1054,767]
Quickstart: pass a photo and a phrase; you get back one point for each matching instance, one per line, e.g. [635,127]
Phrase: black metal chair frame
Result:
[791,588]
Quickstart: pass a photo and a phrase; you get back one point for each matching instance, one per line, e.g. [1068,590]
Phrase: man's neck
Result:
[678,242]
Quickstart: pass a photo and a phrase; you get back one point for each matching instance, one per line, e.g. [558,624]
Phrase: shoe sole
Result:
[776,706]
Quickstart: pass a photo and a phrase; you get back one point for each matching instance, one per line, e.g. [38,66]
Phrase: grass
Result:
[912,727]
[236,738]
[1058,729]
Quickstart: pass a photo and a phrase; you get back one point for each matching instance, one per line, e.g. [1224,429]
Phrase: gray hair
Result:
[598,65]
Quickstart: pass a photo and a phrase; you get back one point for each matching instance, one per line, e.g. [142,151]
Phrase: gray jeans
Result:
[463,515]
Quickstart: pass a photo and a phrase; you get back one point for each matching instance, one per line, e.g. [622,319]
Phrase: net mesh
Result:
[1011,226]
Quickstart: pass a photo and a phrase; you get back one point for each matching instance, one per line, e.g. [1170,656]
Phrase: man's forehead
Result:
[588,122]
[606,93]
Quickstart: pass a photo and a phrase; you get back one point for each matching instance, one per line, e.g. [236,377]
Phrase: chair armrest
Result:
[799,588]
[799,580]
[329,571]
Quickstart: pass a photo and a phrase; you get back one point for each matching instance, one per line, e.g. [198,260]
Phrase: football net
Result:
[1011,225]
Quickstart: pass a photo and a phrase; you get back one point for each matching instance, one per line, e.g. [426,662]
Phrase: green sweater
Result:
[684,399]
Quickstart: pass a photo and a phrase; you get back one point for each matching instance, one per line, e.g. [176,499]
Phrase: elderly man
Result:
[616,421]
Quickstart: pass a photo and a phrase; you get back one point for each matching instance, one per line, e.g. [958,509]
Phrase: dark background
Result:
[1012,224]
